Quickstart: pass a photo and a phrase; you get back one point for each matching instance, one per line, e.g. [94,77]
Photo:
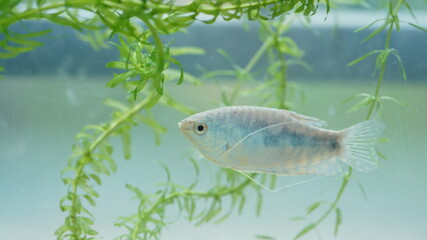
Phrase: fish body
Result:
[258,139]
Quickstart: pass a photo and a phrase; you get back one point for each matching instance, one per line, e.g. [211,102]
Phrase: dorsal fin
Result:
[308,120]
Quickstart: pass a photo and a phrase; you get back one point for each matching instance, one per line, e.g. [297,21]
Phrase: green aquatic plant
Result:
[144,68]
[95,152]
[276,90]
[150,218]
[121,17]
[372,102]
[275,42]
[135,28]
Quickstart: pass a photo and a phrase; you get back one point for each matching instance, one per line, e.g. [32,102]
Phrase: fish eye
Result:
[200,128]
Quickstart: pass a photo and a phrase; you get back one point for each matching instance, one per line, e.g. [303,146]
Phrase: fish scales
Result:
[256,139]
[297,142]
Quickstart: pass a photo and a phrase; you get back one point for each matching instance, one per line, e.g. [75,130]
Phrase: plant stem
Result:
[249,67]
[101,138]
[189,8]
[382,72]
[120,121]
[157,41]
[282,78]
[143,5]
[283,69]
[258,55]
[344,183]
[73,211]
[347,177]
[170,199]
[34,12]
[283,83]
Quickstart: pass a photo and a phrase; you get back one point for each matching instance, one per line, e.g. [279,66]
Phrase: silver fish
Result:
[267,140]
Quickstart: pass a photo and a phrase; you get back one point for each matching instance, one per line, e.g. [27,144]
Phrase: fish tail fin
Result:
[359,145]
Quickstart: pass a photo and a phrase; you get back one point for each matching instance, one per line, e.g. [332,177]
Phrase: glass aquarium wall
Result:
[91,93]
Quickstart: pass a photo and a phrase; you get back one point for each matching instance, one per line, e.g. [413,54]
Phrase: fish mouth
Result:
[185,126]
[181,125]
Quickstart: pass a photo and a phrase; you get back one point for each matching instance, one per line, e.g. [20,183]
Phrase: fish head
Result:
[207,133]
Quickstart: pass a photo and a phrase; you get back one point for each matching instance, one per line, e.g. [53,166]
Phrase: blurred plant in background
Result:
[145,65]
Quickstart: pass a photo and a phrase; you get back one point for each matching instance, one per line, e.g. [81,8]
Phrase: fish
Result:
[276,141]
